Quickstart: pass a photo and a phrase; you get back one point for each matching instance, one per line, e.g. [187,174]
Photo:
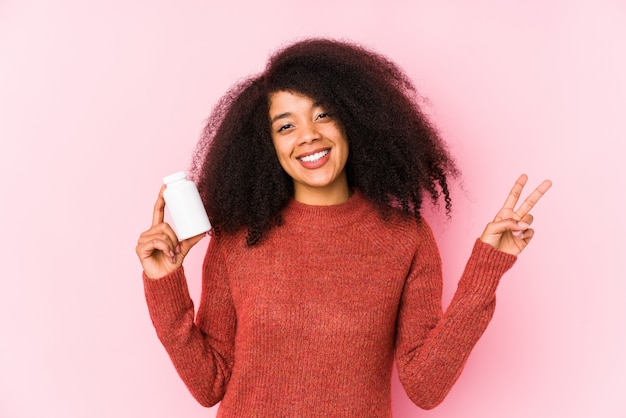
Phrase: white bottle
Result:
[185,206]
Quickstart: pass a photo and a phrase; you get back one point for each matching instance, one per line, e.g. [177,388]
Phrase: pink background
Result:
[99,100]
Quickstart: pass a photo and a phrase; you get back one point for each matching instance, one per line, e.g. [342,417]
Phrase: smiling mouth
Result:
[314,157]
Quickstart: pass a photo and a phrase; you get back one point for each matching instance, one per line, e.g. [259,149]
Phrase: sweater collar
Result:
[326,216]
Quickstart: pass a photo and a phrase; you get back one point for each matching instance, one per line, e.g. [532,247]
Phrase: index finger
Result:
[158,213]
[533,198]
[515,193]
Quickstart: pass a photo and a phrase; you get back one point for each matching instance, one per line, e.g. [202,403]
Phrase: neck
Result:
[323,196]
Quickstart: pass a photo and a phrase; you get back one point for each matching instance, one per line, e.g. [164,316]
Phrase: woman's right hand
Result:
[158,248]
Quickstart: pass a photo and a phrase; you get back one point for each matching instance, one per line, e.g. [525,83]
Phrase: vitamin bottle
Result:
[185,206]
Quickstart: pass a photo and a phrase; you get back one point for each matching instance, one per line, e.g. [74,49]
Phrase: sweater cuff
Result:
[485,268]
[167,295]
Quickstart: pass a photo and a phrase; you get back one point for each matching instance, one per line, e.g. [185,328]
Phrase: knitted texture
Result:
[307,322]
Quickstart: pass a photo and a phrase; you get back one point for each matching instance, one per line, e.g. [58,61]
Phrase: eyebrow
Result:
[281,116]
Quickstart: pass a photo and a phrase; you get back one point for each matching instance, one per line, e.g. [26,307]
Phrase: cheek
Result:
[342,143]
[282,153]
[276,145]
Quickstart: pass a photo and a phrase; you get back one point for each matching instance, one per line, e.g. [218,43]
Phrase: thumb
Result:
[499,227]
[186,245]
[494,230]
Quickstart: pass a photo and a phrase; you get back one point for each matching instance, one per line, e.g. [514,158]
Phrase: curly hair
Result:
[396,155]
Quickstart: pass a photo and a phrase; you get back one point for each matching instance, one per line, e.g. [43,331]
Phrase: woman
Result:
[320,270]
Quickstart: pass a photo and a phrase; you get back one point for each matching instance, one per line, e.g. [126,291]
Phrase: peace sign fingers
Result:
[511,201]
[532,199]
[510,230]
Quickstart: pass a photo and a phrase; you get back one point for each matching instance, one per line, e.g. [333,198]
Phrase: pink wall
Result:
[98,100]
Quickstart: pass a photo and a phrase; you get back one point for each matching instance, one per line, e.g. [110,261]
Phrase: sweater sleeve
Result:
[432,347]
[202,350]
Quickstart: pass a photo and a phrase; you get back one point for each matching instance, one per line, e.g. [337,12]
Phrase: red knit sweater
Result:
[306,323]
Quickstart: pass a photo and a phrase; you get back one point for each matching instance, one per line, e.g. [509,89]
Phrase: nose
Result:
[309,133]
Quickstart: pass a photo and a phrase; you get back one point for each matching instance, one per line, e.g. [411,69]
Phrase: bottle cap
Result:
[181,175]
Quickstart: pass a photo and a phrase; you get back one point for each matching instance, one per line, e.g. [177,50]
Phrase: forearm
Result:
[204,370]
[429,368]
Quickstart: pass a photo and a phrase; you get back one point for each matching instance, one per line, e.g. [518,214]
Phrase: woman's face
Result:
[311,147]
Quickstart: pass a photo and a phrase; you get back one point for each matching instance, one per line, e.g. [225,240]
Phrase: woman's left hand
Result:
[510,230]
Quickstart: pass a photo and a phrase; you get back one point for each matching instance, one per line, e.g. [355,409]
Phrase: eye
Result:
[284,127]
[323,115]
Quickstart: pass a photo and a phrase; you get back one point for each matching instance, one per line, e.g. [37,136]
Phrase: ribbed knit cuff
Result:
[167,295]
[485,268]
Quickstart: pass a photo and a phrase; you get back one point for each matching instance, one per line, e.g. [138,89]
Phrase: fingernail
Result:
[518,234]
[178,249]
[171,253]
[174,259]
[522,224]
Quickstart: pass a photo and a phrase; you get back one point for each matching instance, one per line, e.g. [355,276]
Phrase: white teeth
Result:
[314,157]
